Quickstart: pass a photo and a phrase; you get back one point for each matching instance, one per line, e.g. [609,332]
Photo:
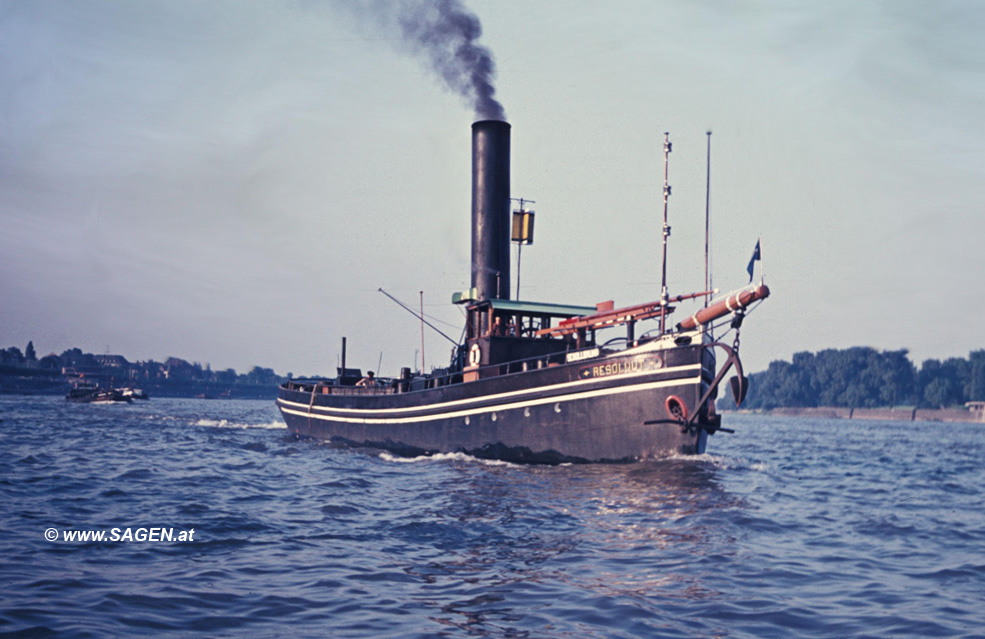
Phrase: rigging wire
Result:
[418,316]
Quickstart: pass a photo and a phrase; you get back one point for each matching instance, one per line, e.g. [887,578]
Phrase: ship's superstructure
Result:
[531,381]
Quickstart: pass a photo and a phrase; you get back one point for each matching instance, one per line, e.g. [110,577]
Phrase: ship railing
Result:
[383,387]
[502,369]
[388,386]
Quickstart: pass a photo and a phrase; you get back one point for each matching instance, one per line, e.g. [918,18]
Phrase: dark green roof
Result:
[540,308]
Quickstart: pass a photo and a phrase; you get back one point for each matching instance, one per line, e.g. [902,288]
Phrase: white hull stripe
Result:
[500,397]
[487,409]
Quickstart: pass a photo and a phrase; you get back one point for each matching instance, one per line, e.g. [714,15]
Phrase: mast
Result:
[666,234]
[422,331]
[707,217]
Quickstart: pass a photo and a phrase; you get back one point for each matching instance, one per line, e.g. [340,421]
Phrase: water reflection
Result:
[506,538]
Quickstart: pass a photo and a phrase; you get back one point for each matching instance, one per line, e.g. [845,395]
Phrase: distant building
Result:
[112,361]
[87,375]
[177,368]
[151,369]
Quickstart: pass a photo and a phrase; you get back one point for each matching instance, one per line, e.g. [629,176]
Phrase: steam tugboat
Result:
[534,382]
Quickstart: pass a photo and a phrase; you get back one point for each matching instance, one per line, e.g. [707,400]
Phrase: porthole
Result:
[526,412]
[494,416]
[467,420]
[557,407]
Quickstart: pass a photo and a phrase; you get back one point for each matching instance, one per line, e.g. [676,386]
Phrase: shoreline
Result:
[884,414]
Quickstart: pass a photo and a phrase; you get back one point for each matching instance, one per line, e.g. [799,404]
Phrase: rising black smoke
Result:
[444,34]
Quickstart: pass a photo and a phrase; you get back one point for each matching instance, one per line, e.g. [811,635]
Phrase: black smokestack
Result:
[444,34]
[491,209]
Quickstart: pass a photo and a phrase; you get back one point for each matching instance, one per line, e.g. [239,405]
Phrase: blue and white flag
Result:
[756,255]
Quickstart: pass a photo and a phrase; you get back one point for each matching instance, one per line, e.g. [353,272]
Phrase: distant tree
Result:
[941,392]
[929,371]
[50,362]
[761,393]
[853,378]
[833,373]
[259,375]
[12,355]
[29,353]
[783,384]
[897,378]
[943,383]
[975,391]
[72,357]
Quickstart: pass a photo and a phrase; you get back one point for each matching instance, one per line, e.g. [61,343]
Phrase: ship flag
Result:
[756,256]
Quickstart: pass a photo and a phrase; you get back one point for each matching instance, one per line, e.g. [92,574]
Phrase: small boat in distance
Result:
[534,381]
[133,393]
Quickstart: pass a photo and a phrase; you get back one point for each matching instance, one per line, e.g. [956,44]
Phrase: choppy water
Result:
[789,528]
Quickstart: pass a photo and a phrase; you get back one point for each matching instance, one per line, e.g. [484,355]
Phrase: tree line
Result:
[14,361]
[857,377]
[863,377]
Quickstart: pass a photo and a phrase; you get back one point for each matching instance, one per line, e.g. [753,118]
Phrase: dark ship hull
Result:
[625,406]
[530,382]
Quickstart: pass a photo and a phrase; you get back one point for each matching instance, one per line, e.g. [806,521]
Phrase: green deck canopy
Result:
[539,308]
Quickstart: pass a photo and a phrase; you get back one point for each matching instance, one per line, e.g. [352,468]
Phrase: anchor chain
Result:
[737,318]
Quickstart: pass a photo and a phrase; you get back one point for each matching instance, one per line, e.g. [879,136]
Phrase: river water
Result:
[788,528]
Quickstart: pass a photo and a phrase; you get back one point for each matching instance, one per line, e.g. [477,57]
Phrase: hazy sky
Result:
[230,182]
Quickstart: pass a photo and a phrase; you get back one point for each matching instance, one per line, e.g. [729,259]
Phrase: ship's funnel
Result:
[491,209]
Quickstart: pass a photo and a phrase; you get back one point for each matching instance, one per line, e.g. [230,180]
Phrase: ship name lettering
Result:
[617,368]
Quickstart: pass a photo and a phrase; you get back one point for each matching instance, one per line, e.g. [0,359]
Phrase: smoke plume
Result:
[444,34]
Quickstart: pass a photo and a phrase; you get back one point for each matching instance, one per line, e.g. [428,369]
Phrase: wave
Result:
[443,457]
[225,423]
[724,462]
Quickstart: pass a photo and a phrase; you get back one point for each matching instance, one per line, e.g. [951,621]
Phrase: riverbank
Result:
[57,385]
[883,414]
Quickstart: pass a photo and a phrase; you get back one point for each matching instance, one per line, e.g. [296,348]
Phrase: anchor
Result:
[739,385]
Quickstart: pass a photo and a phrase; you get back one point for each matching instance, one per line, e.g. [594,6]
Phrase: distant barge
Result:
[96,395]
[84,394]
[532,382]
